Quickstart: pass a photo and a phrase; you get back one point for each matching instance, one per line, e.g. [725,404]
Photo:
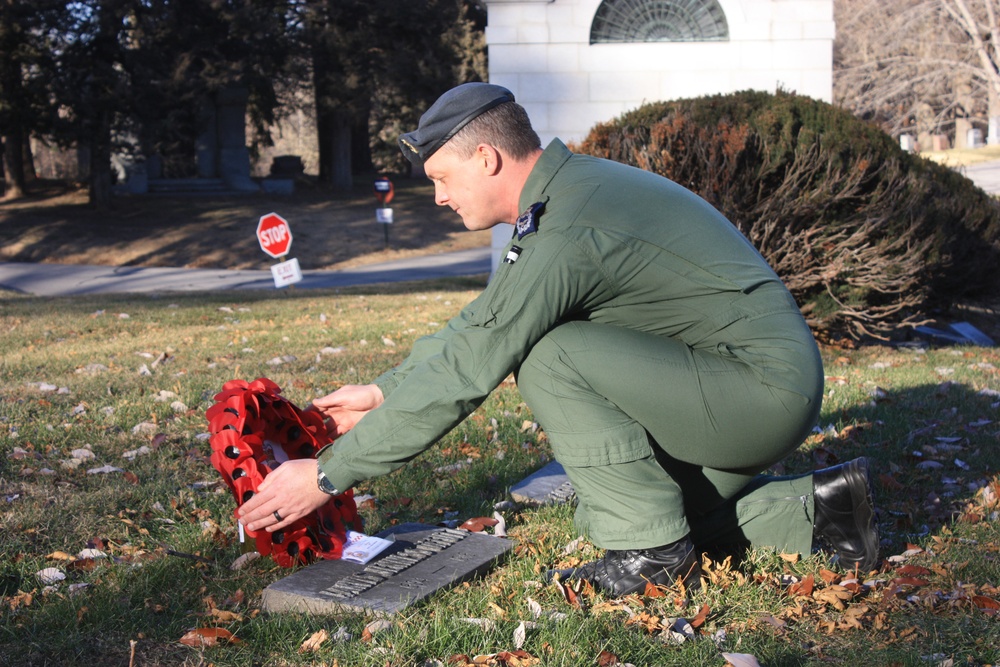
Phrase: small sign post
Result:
[275,238]
[384,192]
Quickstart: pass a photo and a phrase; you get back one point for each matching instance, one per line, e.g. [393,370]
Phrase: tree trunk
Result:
[13,139]
[361,152]
[13,166]
[323,142]
[100,163]
[28,160]
[333,131]
[340,151]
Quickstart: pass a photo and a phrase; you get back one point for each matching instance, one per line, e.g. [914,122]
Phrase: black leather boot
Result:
[844,514]
[624,572]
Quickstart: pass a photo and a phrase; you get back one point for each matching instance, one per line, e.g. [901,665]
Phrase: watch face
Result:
[325,486]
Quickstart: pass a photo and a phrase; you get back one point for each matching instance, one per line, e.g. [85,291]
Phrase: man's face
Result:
[464,185]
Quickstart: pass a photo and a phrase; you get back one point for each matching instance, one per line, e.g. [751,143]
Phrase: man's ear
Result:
[488,159]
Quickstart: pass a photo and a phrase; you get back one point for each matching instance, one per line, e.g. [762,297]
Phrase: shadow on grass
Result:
[930,449]
[219,231]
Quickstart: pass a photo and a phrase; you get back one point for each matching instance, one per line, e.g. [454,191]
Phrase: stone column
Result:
[230,125]
[207,144]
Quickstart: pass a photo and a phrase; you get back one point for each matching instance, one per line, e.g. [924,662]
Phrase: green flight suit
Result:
[663,357]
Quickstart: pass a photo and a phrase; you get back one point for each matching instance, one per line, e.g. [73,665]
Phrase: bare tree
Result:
[919,64]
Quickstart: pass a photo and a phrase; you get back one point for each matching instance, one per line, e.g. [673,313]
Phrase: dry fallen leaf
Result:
[244,560]
[606,659]
[224,616]
[889,482]
[654,591]
[909,581]
[485,623]
[478,524]
[103,470]
[82,565]
[202,637]
[534,608]
[521,634]
[700,617]
[517,658]
[741,660]
[50,575]
[570,593]
[500,528]
[312,644]
[374,628]
[804,587]
[986,605]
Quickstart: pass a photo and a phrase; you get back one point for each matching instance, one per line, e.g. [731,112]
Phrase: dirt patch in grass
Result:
[330,230]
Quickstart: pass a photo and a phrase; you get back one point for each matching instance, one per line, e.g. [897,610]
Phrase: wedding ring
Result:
[277,517]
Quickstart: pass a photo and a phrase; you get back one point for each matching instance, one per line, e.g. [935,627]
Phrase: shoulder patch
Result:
[527,222]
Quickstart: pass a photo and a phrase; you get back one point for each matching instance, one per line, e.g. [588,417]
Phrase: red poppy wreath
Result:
[253,430]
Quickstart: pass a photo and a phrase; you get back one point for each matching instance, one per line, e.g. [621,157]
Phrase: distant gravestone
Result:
[278,186]
[974,138]
[939,142]
[286,166]
[908,143]
[423,560]
[154,166]
[548,486]
[138,179]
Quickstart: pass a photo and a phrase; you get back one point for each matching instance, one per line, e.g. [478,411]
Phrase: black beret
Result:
[448,115]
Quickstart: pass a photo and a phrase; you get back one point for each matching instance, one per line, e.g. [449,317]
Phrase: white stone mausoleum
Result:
[574,63]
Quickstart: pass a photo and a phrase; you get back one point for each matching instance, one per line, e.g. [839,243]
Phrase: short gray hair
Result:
[505,127]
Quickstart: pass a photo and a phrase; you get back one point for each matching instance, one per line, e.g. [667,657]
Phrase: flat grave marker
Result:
[547,486]
[423,560]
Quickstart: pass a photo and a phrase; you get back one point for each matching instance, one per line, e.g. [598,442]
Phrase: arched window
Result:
[659,21]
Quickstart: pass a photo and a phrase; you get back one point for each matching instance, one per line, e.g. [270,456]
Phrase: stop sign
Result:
[274,235]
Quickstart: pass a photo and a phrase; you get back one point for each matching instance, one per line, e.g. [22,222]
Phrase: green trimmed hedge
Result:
[868,237]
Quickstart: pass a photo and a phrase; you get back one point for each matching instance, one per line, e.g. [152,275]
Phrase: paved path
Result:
[984,174]
[69,280]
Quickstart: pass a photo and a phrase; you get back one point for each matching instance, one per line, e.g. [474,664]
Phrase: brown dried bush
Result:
[869,238]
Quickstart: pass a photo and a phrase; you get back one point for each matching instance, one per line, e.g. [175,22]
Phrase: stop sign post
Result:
[274,235]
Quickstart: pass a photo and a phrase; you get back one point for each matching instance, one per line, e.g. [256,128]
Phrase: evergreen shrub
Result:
[869,238]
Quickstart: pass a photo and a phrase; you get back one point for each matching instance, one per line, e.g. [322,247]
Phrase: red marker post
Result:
[275,238]
[384,193]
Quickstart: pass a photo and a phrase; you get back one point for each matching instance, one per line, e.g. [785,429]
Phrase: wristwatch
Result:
[325,485]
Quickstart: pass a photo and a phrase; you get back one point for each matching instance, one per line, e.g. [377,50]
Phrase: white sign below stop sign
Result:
[274,235]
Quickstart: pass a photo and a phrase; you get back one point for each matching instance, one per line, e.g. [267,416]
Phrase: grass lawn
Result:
[102,403]
[958,157]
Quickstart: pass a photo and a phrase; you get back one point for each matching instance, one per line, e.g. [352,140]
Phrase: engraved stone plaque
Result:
[423,560]
[547,486]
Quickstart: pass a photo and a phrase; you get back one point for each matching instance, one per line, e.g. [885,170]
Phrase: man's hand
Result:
[290,490]
[346,406]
